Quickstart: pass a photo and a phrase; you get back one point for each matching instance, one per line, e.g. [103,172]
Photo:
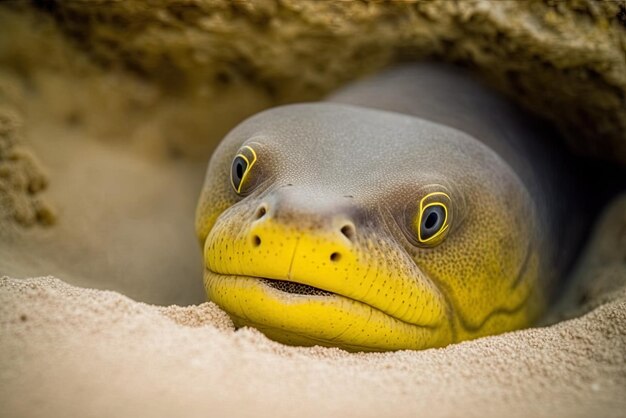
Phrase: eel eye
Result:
[240,168]
[433,219]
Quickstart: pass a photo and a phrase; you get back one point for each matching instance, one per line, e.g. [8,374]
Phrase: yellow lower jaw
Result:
[316,320]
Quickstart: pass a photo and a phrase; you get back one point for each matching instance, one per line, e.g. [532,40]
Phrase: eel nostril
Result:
[256,240]
[260,212]
[348,231]
[335,257]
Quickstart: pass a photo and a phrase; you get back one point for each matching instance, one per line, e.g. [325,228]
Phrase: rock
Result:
[565,60]
[21,178]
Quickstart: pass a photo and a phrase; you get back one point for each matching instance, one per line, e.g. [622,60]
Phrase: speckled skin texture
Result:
[324,166]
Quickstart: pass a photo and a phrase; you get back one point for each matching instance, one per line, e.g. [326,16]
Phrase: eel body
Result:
[408,211]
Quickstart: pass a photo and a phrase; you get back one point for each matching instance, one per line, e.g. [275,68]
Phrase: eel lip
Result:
[289,287]
[295,287]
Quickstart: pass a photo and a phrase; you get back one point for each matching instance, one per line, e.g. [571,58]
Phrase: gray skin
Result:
[453,97]
[364,159]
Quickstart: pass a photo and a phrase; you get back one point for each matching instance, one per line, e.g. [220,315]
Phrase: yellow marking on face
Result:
[489,268]
[378,302]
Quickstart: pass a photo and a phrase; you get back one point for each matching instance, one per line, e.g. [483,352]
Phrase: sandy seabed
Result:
[67,351]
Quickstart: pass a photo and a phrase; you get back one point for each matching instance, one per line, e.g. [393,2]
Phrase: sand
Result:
[124,221]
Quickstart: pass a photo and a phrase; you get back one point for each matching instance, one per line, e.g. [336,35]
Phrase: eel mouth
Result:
[303,287]
[296,288]
[300,314]
[299,264]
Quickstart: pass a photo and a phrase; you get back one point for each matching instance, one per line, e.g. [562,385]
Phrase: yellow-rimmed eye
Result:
[240,168]
[433,218]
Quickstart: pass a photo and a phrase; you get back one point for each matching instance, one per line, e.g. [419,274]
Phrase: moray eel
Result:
[408,211]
